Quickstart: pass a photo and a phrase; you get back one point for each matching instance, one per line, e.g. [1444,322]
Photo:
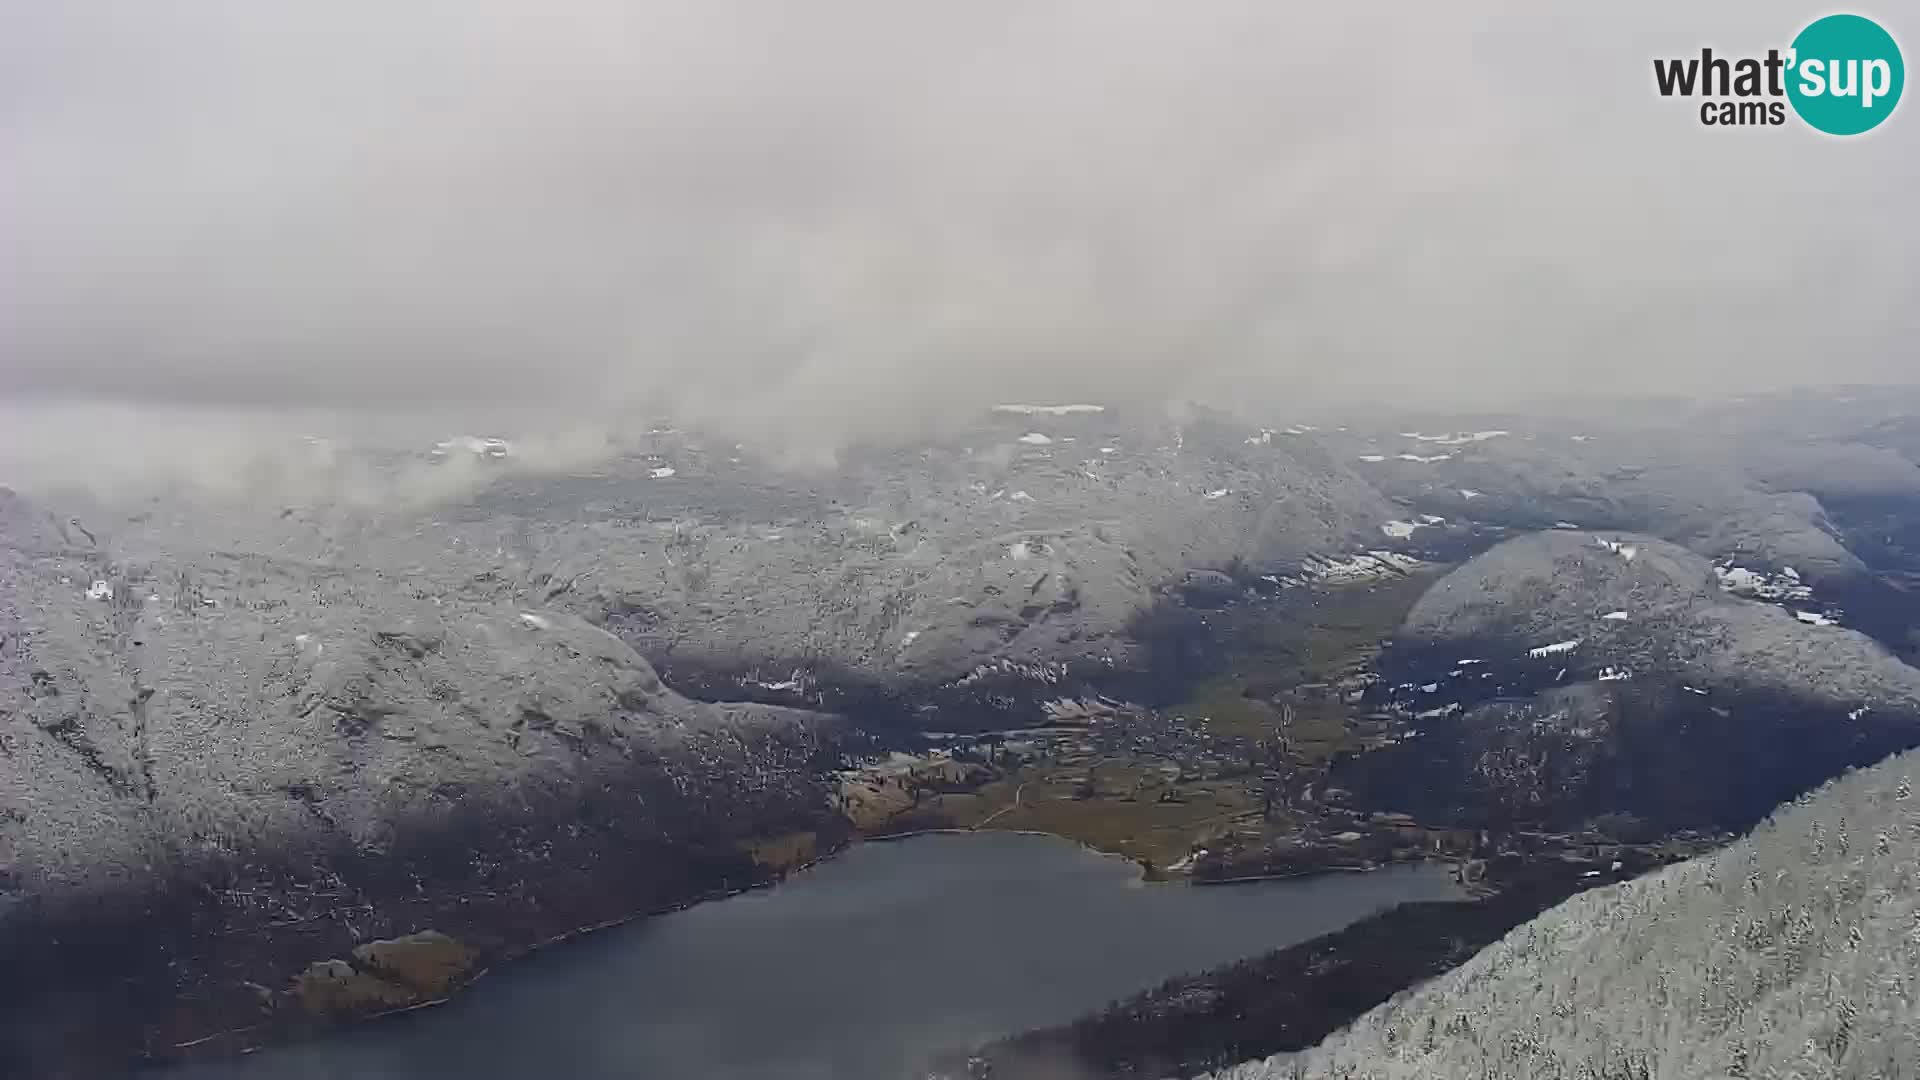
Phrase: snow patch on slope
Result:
[1455,438]
[1049,410]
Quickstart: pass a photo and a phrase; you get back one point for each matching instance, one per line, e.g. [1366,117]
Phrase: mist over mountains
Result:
[814,230]
[471,473]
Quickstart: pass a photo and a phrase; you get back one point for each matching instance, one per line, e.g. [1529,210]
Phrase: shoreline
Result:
[283,1029]
[1286,999]
[158,1064]
[191,1049]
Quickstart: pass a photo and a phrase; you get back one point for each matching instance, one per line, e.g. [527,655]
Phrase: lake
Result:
[857,969]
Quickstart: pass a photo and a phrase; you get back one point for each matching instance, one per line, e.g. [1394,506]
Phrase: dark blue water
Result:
[858,969]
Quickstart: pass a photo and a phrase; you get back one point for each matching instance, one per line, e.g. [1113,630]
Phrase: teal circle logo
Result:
[1845,74]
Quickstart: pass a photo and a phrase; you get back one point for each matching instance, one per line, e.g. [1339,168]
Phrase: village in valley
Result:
[1230,785]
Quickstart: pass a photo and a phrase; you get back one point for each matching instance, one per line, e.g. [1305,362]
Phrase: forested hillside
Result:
[1794,952]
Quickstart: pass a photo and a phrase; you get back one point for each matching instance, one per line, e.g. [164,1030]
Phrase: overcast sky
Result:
[856,216]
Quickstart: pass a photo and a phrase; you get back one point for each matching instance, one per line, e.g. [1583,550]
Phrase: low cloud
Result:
[810,224]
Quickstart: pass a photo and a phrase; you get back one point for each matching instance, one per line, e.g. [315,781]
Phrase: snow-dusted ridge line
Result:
[478,446]
[1049,410]
[1455,438]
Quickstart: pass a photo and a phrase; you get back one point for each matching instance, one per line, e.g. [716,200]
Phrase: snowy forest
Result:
[1792,953]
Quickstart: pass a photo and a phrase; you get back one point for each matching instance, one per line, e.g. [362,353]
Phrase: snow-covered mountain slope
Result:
[1789,953]
[162,723]
[1635,603]
[1567,675]
[288,721]
[913,567]
[219,768]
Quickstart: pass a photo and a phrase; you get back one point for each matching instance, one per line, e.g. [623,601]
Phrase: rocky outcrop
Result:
[428,963]
[393,973]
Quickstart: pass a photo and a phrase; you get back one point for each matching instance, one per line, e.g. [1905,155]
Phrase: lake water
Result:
[857,969]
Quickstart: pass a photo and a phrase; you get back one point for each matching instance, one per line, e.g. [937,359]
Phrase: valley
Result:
[339,764]
[1232,765]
